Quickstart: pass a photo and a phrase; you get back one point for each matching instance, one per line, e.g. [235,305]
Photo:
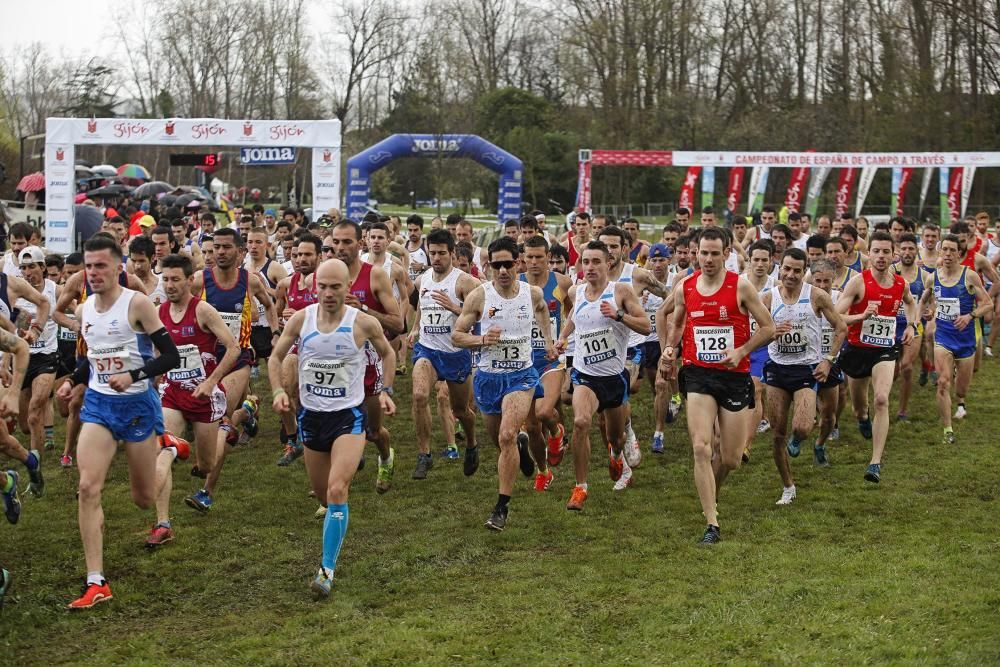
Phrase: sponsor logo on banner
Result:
[56,239]
[735,188]
[904,180]
[91,126]
[168,129]
[327,155]
[360,183]
[687,189]
[247,129]
[207,130]
[275,155]
[58,223]
[435,145]
[129,130]
[955,194]
[844,186]
[60,154]
[793,198]
[285,131]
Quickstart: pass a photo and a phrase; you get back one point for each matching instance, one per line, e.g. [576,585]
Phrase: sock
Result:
[165,524]
[502,502]
[32,462]
[796,442]
[8,483]
[382,461]
[171,452]
[226,426]
[95,578]
[961,404]
[582,486]
[658,434]
[292,438]
[676,398]
[334,529]
[948,429]
[50,433]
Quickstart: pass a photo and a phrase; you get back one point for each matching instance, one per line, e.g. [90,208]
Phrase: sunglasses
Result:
[503,264]
[327,248]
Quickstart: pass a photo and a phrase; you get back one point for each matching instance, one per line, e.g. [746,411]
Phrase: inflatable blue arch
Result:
[510,169]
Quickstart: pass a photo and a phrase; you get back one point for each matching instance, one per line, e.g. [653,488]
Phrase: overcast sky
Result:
[74,26]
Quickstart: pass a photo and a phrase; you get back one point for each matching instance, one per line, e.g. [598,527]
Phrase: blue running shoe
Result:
[819,456]
[36,485]
[321,585]
[873,474]
[793,447]
[200,501]
[252,426]
[865,428]
[11,501]
[835,433]
[450,453]
[657,443]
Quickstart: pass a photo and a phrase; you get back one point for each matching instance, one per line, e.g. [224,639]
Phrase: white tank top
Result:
[650,304]
[261,320]
[733,262]
[768,285]
[601,342]
[10,266]
[437,323]
[158,295]
[803,343]
[46,343]
[827,329]
[331,365]
[387,267]
[113,346]
[419,256]
[513,352]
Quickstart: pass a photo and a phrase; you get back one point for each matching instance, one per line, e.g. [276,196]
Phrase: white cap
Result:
[31,255]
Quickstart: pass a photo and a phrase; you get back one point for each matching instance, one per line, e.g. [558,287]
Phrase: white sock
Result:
[658,433]
[95,578]
[582,486]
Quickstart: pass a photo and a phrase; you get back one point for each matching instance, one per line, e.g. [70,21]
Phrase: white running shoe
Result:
[787,496]
[764,426]
[988,351]
[633,453]
[625,480]
[960,412]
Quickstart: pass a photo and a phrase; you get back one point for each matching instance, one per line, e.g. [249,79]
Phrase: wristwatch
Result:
[364,308]
[388,390]
[832,358]
[620,316]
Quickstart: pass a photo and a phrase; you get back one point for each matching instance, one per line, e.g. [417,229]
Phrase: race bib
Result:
[826,343]
[597,346]
[326,378]
[108,361]
[948,309]
[879,330]
[191,367]
[235,322]
[436,321]
[710,343]
[67,334]
[753,325]
[792,342]
[509,353]
[537,341]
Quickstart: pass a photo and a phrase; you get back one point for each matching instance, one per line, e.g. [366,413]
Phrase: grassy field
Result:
[905,572]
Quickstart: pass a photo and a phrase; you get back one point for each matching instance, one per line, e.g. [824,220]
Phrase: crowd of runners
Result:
[154,339]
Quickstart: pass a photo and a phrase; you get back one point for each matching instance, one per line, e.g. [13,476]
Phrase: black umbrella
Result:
[167,200]
[187,198]
[88,221]
[110,190]
[152,188]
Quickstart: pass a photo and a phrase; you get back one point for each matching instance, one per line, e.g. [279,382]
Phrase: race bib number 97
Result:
[325,378]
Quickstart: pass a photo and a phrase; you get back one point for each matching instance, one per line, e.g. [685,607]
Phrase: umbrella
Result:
[80,162]
[134,171]
[110,190]
[80,198]
[88,221]
[152,188]
[167,199]
[32,182]
[104,170]
[186,199]
[82,169]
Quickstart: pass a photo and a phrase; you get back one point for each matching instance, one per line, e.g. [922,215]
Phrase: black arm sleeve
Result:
[82,373]
[169,357]
[414,298]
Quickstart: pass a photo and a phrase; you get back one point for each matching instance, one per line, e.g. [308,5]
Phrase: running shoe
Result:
[158,536]
[556,446]
[401,370]
[934,378]
[49,445]
[865,429]
[764,426]
[746,455]
[11,499]
[200,501]
[292,452]
[949,438]
[254,372]
[424,463]
[902,417]
[625,480]
[961,412]
[657,446]
[576,499]
[321,585]
[498,519]
[633,453]
[922,380]
[672,410]
[383,480]
[793,447]
[874,473]
[198,472]
[92,594]
[4,584]
[835,433]
[819,456]
[180,445]
[543,480]
[36,484]
[615,465]
[988,351]
[471,462]
[66,461]
[252,425]
[712,536]
[459,432]
[524,455]
[450,453]
[787,496]
[320,512]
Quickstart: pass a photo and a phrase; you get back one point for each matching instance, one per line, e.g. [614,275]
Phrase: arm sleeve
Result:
[169,357]
[82,373]
[414,298]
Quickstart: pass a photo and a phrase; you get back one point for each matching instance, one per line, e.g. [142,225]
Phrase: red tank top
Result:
[714,324]
[573,254]
[297,297]
[879,330]
[192,342]
[362,288]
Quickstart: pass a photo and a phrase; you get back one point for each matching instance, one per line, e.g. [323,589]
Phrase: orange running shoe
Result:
[182,446]
[92,594]
[614,465]
[576,499]
[543,480]
[556,448]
